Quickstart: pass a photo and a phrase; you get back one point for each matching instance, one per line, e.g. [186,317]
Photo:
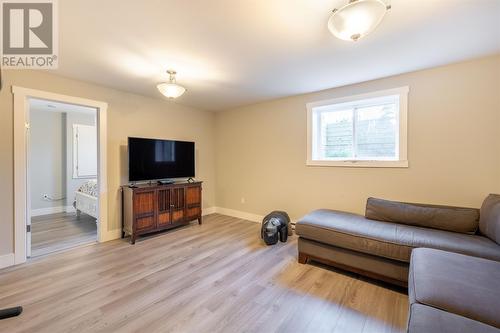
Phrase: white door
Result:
[84,151]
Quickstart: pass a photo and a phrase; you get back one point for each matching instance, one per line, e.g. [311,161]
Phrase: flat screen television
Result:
[153,159]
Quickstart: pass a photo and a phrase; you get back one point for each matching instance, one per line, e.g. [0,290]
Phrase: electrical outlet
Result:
[242,200]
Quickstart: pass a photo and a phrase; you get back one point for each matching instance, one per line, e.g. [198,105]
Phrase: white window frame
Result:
[401,162]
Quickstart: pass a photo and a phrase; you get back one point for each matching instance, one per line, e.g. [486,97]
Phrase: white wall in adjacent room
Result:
[47,159]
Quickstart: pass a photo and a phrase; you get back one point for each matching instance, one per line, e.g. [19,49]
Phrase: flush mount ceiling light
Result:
[171,89]
[357,18]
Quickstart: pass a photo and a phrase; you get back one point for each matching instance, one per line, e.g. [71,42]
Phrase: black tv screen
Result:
[152,159]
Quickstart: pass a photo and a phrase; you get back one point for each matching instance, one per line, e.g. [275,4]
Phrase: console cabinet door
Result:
[178,204]
[193,201]
[144,209]
[164,207]
[193,195]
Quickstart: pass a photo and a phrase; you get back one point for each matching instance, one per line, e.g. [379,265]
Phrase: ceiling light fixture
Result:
[171,89]
[357,18]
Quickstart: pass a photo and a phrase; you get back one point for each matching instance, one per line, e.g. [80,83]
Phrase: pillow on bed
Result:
[89,187]
[457,219]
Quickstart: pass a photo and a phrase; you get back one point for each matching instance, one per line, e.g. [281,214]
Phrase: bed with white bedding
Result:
[86,199]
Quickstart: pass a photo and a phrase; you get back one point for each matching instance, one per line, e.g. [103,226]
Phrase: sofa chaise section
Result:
[382,249]
[386,239]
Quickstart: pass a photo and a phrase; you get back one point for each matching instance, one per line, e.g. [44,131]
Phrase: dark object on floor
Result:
[274,227]
[10,312]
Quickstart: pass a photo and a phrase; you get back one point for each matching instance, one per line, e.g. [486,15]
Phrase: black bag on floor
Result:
[10,312]
[275,226]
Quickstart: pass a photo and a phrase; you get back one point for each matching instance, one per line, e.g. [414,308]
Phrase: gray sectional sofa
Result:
[449,257]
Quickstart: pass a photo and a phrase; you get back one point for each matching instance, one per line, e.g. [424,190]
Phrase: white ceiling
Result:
[235,52]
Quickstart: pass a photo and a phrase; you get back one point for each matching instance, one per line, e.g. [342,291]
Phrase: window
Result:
[366,130]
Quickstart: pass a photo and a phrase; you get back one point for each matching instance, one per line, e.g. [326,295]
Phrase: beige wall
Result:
[258,152]
[453,149]
[128,115]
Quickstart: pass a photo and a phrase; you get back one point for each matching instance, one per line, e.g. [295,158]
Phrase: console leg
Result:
[123,234]
[303,258]
[199,220]
[132,239]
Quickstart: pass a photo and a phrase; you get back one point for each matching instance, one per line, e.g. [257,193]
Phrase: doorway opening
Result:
[22,178]
[62,176]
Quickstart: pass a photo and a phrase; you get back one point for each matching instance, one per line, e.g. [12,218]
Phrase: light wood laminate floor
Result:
[61,231]
[217,277]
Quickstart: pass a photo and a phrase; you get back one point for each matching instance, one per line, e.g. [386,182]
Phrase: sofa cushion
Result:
[463,285]
[489,224]
[457,219]
[426,319]
[385,239]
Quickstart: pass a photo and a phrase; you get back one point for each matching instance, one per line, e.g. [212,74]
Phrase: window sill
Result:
[359,164]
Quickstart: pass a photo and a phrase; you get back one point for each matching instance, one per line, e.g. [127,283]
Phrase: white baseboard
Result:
[7,260]
[70,209]
[239,214]
[208,211]
[242,215]
[52,210]
[116,234]
[110,235]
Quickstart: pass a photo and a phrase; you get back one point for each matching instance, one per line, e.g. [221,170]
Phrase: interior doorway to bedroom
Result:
[62,176]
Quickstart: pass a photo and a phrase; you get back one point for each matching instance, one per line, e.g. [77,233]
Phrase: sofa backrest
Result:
[489,223]
[456,219]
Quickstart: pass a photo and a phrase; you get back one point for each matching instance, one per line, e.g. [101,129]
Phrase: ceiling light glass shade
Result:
[357,19]
[171,90]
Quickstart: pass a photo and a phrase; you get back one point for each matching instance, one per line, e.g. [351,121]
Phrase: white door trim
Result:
[21,109]
[6,260]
